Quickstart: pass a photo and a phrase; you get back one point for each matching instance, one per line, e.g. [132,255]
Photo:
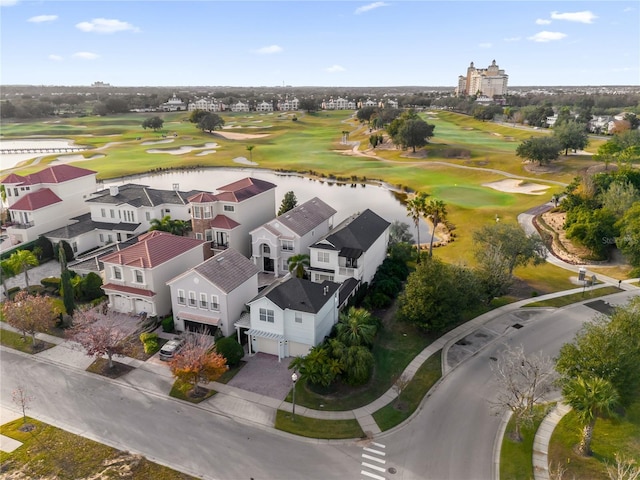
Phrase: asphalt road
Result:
[453,436]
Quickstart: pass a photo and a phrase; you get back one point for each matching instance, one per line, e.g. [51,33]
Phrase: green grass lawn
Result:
[314,428]
[610,436]
[15,340]
[182,391]
[49,452]
[575,297]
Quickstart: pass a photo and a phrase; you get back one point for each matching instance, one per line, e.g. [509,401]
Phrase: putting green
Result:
[472,197]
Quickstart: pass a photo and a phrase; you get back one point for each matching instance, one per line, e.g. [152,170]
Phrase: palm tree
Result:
[415,209]
[436,211]
[590,398]
[166,224]
[298,265]
[250,150]
[356,327]
[6,273]
[21,261]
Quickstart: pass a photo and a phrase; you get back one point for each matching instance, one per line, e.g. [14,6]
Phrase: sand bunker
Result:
[155,142]
[75,158]
[184,149]
[205,152]
[512,185]
[241,136]
[244,161]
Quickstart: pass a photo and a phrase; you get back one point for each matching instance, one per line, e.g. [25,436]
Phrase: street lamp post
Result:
[294,379]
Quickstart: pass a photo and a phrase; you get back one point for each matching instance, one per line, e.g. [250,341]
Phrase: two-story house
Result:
[135,277]
[46,200]
[212,295]
[121,212]
[290,317]
[290,234]
[225,218]
[353,249]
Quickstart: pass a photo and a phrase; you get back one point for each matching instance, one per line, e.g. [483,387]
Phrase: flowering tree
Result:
[99,334]
[30,314]
[197,362]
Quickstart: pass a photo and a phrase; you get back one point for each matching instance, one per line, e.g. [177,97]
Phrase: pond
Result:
[347,199]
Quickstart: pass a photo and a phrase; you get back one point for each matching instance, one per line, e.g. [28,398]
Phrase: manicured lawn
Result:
[610,436]
[101,367]
[49,452]
[15,340]
[409,400]
[181,390]
[516,458]
[575,297]
[314,428]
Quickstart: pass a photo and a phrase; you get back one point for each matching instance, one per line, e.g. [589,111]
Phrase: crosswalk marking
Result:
[372,475]
[369,457]
[379,445]
[374,451]
[375,467]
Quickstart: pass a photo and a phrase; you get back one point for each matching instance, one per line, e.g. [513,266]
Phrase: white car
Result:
[169,349]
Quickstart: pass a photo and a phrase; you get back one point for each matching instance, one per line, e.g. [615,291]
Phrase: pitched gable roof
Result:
[223,222]
[35,200]
[142,196]
[13,179]
[302,295]
[304,218]
[243,189]
[53,174]
[356,233]
[152,249]
[202,197]
[227,270]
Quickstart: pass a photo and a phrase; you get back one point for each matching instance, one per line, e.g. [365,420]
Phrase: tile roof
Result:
[13,179]
[224,222]
[153,248]
[243,189]
[35,200]
[142,196]
[202,197]
[302,295]
[304,218]
[227,270]
[52,174]
[357,232]
[131,290]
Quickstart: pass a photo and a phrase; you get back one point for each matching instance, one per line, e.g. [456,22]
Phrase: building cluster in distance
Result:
[486,82]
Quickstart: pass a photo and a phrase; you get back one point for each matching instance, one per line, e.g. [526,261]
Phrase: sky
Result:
[334,43]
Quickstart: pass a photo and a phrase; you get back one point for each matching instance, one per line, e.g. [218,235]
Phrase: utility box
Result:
[582,272]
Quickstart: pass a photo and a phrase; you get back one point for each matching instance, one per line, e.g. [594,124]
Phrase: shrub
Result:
[167,324]
[150,342]
[91,287]
[230,349]
[52,282]
[12,292]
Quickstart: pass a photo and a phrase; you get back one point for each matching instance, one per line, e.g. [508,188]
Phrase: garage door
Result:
[266,345]
[191,326]
[298,349]
[121,304]
[143,306]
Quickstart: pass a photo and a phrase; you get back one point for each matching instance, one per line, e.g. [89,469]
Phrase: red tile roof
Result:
[13,179]
[152,249]
[53,174]
[202,197]
[243,189]
[35,200]
[132,290]
[222,221]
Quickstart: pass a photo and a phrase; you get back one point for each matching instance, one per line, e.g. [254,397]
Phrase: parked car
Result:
[169,349]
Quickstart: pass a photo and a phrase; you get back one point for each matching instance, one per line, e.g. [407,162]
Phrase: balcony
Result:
[21,226]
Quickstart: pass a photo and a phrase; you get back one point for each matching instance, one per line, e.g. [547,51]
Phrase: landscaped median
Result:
[565,300]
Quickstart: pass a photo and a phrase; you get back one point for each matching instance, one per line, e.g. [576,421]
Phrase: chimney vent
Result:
[113,190]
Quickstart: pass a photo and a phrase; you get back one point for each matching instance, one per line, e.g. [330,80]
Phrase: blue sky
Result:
[309,43]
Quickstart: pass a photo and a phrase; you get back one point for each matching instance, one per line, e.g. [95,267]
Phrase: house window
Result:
[15,192]
[214,303]
[8,192]
[203,300]
[207,212]
[192,299]
[208,235]
[323,257]
[109,238]
[229,208]
[197,211]
[198,236]
[117,273]
[137,275]
[181,299]
[103,212]
[351,263]
[112,213]
[287,245]
[321,278]
[147,215]
[101,236]
[298,317]
[74,245]
[266,315]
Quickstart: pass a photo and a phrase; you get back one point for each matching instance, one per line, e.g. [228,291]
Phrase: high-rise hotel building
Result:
[488,82]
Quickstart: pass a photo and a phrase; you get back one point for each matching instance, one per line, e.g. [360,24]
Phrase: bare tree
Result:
[23,400]
[197,362]
[99,334]
[522,383]
[623,469]
[30,314]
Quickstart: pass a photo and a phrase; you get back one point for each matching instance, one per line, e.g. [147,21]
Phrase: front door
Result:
[268,264]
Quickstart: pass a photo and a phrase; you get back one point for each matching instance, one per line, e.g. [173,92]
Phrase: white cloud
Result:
[581,17]
[485,45]
[43,18]
[371,6]
[56,58]
[271,49]
[85,55]
[542,21]
[335,69]
[629,9]
[545,36]
[513,39]
[8,3]
[106,25]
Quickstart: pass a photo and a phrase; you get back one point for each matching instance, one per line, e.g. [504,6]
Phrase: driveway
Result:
[264,375]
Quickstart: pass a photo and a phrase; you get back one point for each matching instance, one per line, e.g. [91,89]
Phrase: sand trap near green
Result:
[472,196]
[513,185]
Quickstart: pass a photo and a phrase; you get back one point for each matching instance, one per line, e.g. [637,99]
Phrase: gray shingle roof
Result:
[142,196]
[304,218]
[84,224]
[302,295]
[357,232]
[227,270]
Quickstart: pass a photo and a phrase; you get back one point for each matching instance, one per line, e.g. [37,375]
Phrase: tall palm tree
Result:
[20,262]
[436,211]
[298,265]
[6,273]
[250,150]
[415,209]
[356,327]
[590,398]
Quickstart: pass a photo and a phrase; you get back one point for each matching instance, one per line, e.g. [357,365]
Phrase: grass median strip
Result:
[15,340]
[574,297]
[317,428]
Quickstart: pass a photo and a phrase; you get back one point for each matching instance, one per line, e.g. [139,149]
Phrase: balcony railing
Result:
[22,226]
[219,246]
